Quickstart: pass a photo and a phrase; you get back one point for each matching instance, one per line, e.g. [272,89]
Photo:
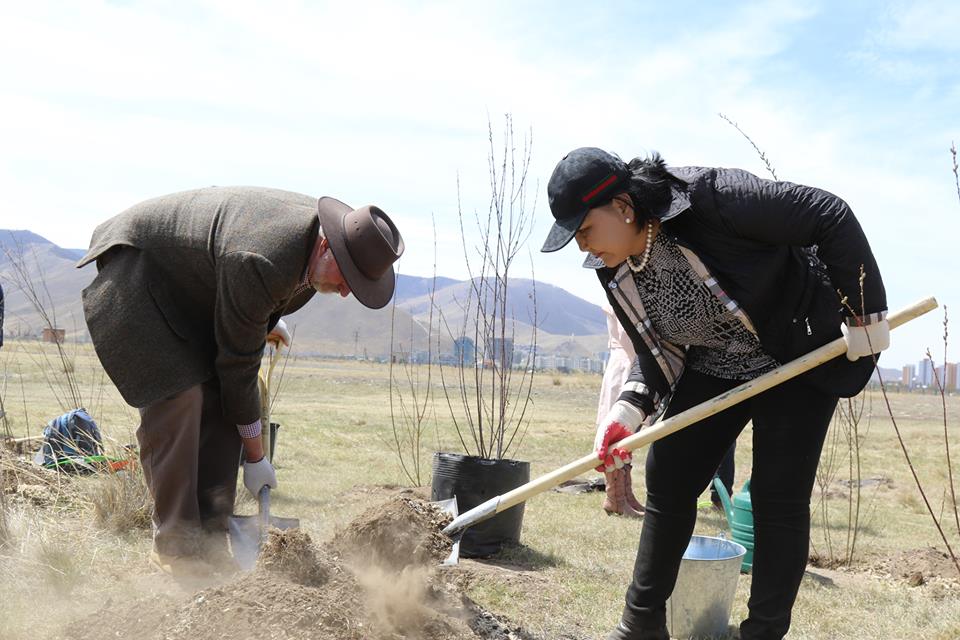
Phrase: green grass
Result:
[569,575]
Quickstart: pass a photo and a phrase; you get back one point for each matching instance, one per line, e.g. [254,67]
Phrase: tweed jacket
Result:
[773,253]
[189,285]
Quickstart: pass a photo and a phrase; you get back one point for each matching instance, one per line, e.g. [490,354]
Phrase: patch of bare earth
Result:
[920,566]
[24,482]
[378,579]
[825,562]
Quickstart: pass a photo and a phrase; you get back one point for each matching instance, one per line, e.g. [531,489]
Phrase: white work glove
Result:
[865,340]
[257,475]
[621,421]
[279,334]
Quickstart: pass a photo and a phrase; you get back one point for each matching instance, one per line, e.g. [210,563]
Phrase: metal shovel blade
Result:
[248,533]
[449,506]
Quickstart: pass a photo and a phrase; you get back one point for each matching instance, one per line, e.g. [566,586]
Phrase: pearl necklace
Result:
[636,268]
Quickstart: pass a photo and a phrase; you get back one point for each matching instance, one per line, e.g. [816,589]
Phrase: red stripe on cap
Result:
[603,185]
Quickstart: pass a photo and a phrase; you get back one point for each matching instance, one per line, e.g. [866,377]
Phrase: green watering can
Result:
[740,518]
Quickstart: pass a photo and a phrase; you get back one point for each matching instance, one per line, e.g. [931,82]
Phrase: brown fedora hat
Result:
[365,244]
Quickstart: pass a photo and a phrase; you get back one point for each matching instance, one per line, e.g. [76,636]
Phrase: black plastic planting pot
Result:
[473,481]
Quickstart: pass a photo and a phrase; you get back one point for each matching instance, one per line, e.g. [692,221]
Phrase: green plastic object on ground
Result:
[740,518]
[88,464]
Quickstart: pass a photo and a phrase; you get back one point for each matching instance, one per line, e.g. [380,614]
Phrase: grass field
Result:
[334,455]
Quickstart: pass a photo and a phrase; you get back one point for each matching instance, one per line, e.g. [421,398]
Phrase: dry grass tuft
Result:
[910,501]
[6,534]
[56,562]
[121,501]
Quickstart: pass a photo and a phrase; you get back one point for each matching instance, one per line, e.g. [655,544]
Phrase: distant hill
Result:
[11,238]
[556,311]
[328,324]
[415,286]
[56,279]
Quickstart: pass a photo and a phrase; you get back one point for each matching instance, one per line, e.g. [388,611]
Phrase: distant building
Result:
[925,373]
[909,373]
[498,350]
[566,364]
[545,362]
[56,336]
[951,377]
[464,351]
[520,358]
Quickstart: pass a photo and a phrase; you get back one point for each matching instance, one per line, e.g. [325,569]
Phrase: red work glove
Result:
[621,421]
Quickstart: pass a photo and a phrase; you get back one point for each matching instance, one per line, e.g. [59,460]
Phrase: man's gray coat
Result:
[189,286]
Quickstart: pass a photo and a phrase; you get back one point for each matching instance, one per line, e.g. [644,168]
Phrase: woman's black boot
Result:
[625,632]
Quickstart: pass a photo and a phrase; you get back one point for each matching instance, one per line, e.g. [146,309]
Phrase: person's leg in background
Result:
[789,425]
[725,472]
[678,468]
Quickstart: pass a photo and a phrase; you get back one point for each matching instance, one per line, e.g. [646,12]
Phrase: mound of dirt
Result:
[388,587]
[919,566]
[291,554]
[267,605]
[404,531]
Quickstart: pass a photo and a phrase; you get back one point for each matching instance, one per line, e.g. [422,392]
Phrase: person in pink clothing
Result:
[620,499]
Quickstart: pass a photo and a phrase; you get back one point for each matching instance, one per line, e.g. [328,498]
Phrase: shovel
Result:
[248,533]
[748,389]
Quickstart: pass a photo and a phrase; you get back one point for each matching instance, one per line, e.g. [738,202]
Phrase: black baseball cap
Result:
[586,178]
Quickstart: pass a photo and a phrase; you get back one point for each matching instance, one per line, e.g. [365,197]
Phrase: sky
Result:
[105,104]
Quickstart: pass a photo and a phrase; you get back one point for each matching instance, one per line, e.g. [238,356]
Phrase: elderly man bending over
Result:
[190,287]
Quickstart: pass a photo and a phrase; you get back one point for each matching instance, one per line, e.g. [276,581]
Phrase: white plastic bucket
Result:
[703,597]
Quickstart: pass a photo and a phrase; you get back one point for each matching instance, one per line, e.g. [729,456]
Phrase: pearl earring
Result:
[628,220]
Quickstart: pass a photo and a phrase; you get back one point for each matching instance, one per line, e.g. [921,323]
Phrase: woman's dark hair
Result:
[649,186]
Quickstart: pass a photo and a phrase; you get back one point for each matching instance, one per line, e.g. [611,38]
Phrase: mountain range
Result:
[329,325]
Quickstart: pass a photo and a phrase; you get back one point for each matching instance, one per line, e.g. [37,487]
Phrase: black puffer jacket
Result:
[781,251]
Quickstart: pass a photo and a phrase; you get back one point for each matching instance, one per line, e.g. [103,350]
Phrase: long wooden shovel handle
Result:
[647,435]
[264,383]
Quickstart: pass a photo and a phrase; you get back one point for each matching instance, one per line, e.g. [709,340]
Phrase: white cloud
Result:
[919,25]
[913,42]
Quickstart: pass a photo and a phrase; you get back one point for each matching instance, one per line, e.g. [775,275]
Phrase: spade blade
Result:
[247,533]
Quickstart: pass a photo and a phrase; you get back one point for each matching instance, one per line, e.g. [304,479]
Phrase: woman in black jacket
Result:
[718,277]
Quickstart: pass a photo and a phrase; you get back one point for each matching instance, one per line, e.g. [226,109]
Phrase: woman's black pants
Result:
[789,425]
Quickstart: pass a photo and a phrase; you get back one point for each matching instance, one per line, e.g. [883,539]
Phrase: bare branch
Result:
[763,156]
[489,397]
